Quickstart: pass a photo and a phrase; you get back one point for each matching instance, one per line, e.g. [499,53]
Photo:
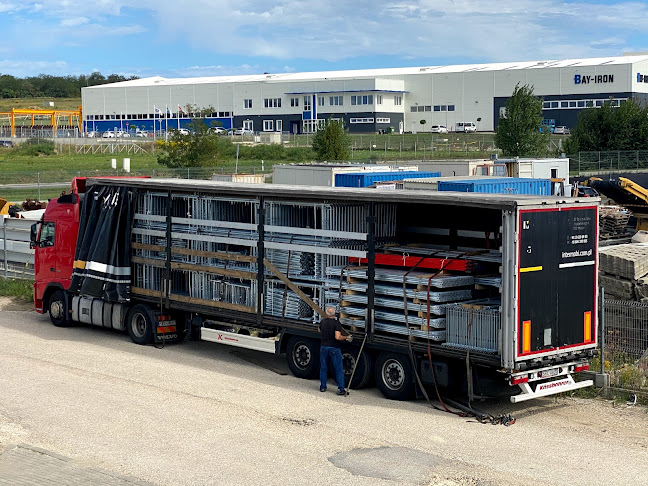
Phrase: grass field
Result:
[6,104]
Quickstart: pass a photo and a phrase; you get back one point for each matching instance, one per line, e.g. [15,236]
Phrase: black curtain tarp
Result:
[102,258]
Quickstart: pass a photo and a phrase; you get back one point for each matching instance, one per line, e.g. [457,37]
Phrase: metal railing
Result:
[16,258]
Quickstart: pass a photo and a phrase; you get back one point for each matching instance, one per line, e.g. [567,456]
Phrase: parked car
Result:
[438,129]
[218,130]
[6,143]
[586,191]
[561,131]
[121,134]
[465,127]
[142,134]
[183,131]
[92,134]
[240,131]
[108,135]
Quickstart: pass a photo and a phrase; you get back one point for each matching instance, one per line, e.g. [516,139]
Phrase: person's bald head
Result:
[330,311]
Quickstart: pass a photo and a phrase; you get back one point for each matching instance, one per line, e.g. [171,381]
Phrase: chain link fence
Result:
[624,344]
[588,163]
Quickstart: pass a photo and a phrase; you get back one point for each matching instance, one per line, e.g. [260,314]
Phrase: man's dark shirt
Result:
[328,327]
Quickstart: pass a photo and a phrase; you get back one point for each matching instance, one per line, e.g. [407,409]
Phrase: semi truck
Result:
[478,294]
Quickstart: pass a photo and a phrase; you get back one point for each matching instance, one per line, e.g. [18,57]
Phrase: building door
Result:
[279,126]
[248,125]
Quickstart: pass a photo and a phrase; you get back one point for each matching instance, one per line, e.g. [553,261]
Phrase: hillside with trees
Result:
[47,86]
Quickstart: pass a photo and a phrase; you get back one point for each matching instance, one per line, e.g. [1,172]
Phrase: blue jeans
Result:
[335,355]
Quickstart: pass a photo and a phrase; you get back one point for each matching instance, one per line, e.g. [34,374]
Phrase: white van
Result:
[465,127]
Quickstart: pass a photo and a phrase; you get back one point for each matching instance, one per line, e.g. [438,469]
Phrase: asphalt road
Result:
[204,414]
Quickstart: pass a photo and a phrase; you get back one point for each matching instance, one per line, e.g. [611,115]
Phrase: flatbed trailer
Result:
[254,266]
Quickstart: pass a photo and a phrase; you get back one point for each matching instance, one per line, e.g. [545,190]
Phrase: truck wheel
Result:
[394,377]
[140,325]
[362,377]
[57,308]
[302,355]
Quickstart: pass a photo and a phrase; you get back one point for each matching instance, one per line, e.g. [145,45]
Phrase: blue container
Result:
[366,179]
[507,185]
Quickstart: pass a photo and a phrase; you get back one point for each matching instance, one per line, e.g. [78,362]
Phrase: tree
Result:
[518,132]
[332,142]
[198,149]
[610,128]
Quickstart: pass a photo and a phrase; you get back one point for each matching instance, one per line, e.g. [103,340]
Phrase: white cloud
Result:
[74,21]
[29,68]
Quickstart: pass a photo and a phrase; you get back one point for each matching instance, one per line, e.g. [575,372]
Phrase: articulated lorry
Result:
[484,294]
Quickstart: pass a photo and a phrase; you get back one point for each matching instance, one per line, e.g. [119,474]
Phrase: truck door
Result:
[556,280]
[45,255]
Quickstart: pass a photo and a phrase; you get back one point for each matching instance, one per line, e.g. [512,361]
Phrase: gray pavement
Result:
[24,465]
[206,414]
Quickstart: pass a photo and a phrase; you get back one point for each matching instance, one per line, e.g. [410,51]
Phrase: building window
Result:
[451,107]
[248,125]
[307,103]
[413,109]
[294,101]
[437,107]
[362,100]
[361,120]
[599,103]
[336,100]
[383,120]
[564,104]
[428,108]
[272,102]
[379,99]
[279,125]
[320,101]
[398,100]
[268,125]
[247,104]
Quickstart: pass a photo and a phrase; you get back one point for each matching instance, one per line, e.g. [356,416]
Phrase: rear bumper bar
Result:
[563,384]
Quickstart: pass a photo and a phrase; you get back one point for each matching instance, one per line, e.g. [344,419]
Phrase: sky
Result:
[188,38]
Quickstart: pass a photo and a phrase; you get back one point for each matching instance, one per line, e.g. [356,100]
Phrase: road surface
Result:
[94,404]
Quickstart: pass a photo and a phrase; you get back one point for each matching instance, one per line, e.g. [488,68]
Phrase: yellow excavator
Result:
[626,193]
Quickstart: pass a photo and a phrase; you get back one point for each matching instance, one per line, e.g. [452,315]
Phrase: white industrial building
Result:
[367,100]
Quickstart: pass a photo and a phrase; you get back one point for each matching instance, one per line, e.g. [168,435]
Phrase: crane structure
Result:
[53,118]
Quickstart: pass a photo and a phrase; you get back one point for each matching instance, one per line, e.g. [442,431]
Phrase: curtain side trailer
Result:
[481,293]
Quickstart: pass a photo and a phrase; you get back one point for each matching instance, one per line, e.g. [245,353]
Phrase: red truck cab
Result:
[54,239]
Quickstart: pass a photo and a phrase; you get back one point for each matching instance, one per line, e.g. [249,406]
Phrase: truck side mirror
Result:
[33,236]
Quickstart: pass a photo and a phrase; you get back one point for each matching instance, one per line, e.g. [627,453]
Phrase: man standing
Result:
[332,335]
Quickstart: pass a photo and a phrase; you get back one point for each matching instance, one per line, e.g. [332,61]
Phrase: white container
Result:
[127,165]
[244,178]
[113,163]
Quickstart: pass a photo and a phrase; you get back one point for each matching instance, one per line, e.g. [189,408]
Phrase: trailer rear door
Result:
[557,280]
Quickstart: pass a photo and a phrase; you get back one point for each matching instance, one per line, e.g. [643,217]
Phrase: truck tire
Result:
[57,307]
[140,325]
[303,357]
[362,376]
[394,376]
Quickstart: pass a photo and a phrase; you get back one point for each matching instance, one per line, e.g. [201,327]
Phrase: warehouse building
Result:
[368,101]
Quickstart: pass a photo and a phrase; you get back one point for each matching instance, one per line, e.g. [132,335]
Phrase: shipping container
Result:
[510,185]
[323,174]
[369,179]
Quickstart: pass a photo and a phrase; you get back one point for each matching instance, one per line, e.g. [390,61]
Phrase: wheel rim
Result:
[393,374]
[56,309]
[301,356]
[348,362]
[138,325]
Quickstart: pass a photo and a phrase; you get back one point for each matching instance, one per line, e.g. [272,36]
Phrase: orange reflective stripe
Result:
[79,264]
[587,322]
[526,337]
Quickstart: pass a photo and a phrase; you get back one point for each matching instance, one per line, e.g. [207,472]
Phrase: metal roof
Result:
[374,73]
[289,192]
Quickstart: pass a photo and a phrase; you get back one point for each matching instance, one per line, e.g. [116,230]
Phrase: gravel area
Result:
[205,414]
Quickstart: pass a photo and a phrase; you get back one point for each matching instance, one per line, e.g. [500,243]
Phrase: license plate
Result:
[548,373]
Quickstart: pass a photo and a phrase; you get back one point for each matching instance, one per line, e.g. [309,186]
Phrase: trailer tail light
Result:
[581,367]
[587,323]
[516,380]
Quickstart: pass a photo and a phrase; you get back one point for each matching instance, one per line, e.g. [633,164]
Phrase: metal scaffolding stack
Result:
[307,250]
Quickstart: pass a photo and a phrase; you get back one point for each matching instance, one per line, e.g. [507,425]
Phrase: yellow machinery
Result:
[54,118]
[626,193]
